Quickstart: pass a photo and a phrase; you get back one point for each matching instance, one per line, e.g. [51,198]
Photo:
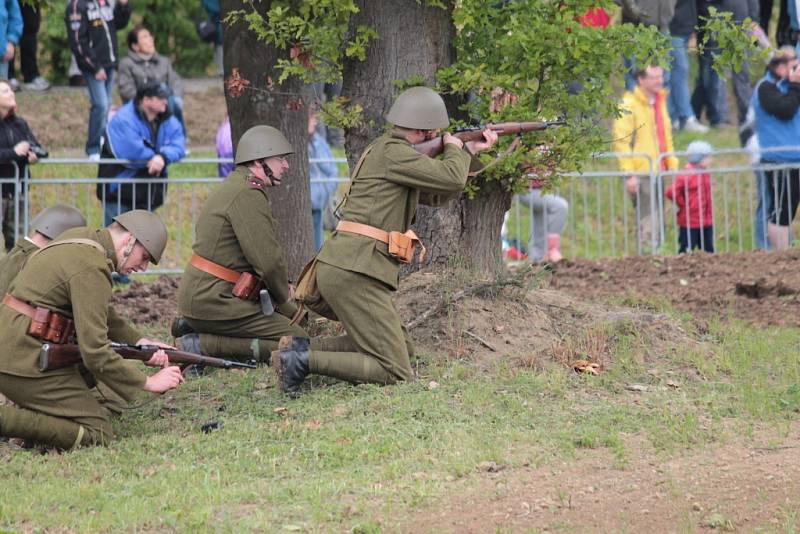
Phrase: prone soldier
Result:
[64,290]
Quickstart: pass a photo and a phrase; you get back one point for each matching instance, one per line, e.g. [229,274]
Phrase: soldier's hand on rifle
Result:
[159,359]
[452,140]
[632,185]
[489,139]
[164,380]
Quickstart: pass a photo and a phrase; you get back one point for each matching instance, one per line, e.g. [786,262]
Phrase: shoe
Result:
[180,328]
[189,343]
[15,85]
[38,84]
[290,362]
[121,279]
[553,249]
[692,125]
[93,157]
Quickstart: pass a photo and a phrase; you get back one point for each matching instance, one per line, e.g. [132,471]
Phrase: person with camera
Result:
[776,102]
[18,149]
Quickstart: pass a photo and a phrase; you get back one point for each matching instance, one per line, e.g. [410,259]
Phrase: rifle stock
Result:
[53,356]
[435,146]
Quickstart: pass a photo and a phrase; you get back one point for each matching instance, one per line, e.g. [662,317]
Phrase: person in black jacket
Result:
[92,29]
[18,146]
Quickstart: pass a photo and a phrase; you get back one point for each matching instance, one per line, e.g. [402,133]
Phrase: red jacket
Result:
[691,194]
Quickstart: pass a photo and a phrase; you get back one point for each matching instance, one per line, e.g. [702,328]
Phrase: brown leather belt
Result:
[214,269]
[19,306]
[363,229]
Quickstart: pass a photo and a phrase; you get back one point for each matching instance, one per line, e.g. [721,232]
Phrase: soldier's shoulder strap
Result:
[75,240]
[353,176]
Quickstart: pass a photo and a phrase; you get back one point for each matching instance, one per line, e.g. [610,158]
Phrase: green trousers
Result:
[382,347]
[254,337]
[57,410]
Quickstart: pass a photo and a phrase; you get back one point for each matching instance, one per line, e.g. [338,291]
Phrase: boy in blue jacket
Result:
[143,133]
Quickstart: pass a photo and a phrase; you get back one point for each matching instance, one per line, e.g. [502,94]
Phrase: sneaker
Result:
[694,126]
[93,157]
[15,85]
[38,84]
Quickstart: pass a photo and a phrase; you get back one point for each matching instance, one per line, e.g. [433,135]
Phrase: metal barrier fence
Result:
[593,210]
[75,182]
[604,220]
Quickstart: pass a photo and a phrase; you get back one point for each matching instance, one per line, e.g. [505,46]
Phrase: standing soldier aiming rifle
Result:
[358,268]
[64,292]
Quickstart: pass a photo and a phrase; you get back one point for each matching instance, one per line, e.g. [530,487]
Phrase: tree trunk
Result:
[278,105]
[414,40]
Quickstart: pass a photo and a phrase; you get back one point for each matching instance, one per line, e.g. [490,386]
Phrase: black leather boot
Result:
[190,343]
[180,327]
[290,362]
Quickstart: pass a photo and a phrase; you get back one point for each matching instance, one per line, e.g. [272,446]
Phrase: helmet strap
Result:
[126,254]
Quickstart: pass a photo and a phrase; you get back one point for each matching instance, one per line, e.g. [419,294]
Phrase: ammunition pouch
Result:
[402,245]
[45,324]
[246,286]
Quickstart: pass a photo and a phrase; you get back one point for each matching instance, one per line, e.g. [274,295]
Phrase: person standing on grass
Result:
[691,193]
[322,175]
[776,102]
[10,32]
[72,279]
[92,27]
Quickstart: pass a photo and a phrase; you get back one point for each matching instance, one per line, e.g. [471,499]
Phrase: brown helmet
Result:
[148,230]
[55,220]
[419,108]
[261,142]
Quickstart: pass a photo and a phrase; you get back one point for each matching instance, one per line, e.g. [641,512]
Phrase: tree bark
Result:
[414,40]
[264,101]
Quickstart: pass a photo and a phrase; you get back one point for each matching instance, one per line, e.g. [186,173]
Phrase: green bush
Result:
[172,22]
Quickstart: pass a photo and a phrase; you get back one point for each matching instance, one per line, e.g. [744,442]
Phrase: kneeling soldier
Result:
[357,270]
[237,269]
[64,290]
[46,226]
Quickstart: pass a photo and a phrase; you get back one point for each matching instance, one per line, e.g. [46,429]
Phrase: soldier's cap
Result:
[157,90]
[148,229]
[55,220]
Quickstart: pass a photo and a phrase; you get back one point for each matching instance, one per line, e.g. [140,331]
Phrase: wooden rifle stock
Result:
[434,147]
[54,356]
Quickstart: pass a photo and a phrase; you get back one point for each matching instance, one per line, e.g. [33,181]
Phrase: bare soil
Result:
[737,486]
[760,288]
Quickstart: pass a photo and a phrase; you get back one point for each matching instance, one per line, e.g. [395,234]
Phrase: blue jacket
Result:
[10,22]
[128,136]
[776,103]
[321,191]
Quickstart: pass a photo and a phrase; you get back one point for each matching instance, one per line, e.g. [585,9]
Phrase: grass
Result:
[359,458]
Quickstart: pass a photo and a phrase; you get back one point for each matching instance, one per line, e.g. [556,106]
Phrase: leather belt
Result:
[214,269]
[363,229]
[19,306]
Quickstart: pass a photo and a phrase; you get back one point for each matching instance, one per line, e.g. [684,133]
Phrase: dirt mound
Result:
[528,327]
[761,288]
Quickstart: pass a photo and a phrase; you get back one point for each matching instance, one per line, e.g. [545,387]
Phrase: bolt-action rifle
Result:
[434,147]
[53,356]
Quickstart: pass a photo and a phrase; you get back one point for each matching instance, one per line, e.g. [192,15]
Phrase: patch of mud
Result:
[761,288]
[149,303]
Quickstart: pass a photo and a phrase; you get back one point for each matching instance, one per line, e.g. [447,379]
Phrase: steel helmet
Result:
[419,108]
[55,220]
[261,142]
[148,230]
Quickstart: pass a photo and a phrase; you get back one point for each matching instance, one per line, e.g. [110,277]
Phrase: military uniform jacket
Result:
[235,229]
[392,181]
[75,280]
[13,262]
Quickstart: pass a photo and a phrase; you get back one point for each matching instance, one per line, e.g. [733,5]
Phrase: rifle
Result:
[435,146]
[54,356]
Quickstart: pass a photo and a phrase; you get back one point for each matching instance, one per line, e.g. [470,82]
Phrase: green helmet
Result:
[55,220]
[419,108]
[261,142]
[148,230]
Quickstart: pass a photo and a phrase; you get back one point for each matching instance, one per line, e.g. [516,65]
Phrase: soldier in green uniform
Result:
[356,275]
[236,239]
[45,227]
[72,279]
